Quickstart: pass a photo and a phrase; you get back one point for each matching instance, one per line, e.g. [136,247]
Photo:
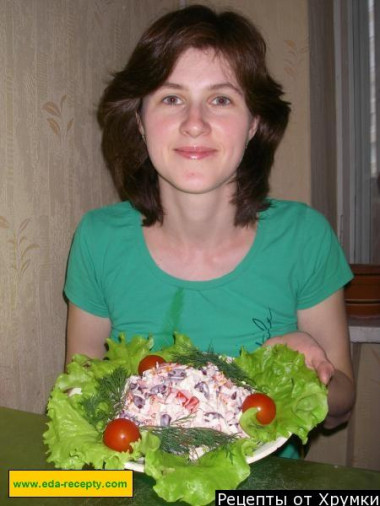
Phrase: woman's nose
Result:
[195,122]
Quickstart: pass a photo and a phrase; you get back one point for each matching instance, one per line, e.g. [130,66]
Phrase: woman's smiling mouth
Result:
[195,152]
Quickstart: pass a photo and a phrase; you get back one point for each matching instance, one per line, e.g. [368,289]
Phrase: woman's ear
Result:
[140,125]
[253,127]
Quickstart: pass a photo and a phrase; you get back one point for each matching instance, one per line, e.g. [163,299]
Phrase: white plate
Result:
[261,452]
[266,449]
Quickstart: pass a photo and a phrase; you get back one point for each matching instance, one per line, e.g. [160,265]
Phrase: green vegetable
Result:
[195,483]
[180,440]
[190,355]
[301,399]
[74,435]
[108,401]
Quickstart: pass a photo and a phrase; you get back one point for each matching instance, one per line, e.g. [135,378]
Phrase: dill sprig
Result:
[108,400]
[190,355]
[181,440]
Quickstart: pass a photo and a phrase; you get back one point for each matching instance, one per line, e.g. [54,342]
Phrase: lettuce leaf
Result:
[301,399]
[129,353]
[278,371]
[195,482]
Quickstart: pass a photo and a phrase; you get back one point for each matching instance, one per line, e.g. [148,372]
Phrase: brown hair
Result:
[239,42]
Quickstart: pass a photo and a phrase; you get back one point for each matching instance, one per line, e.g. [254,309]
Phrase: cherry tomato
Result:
[149,362]
[266,408]
[119,433]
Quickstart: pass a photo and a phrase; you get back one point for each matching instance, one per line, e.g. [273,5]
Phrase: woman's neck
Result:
[198,239]
[199,221]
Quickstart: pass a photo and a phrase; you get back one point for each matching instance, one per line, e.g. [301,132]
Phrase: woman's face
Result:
[197,125]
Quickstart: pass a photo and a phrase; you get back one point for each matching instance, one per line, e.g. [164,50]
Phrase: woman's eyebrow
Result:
[226,85]
[174,86]
[217,86]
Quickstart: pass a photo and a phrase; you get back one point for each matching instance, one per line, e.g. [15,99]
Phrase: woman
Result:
[190,127]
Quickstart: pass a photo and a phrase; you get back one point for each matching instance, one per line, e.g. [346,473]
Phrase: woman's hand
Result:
[315,356]
[323,339]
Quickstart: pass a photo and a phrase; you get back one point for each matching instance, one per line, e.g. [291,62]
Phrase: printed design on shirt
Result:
[265,325]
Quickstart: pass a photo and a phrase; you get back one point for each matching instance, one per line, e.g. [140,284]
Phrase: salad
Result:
[178,394]
[183,391]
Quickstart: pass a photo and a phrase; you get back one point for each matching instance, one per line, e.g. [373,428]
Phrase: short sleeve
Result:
[83,286]
[323,268]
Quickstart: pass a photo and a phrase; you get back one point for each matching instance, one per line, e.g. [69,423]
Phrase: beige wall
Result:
[55,58]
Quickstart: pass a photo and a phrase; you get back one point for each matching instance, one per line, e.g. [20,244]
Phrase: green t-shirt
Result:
[294,263]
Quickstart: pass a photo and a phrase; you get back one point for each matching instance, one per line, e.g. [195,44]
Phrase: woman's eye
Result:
[221,101]
[172,100]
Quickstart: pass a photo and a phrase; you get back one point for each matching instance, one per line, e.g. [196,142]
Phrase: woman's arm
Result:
[324,340]
[86,333]
[327,323]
